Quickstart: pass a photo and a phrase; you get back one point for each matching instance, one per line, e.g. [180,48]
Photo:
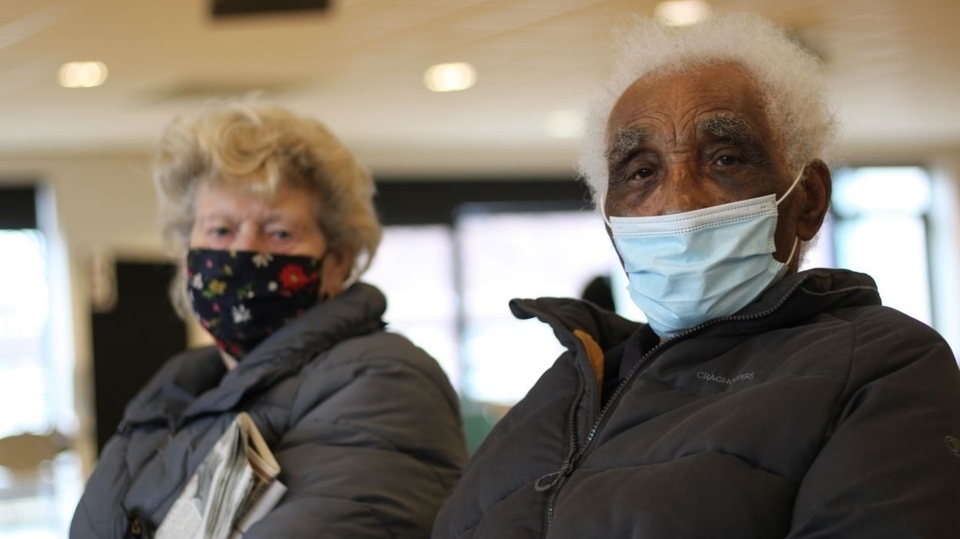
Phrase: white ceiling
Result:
[893,67]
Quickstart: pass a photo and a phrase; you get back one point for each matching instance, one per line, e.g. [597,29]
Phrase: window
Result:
[448,289]
[519,254]
[24,312]
[879,226]
[36,376]
[414,269]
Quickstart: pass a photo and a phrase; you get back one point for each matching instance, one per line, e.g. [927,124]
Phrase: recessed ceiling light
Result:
[82,74]
[450,77]
[681,12]
[564,123]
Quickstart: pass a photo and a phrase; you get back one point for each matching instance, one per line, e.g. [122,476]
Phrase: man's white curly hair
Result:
[790,79]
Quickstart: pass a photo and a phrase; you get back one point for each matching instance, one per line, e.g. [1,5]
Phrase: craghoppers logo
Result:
[710,377]
[953,445]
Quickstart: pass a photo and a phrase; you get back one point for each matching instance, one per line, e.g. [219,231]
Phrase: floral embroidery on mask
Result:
[243,297]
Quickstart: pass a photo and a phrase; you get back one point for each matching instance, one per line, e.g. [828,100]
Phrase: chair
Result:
[26,474]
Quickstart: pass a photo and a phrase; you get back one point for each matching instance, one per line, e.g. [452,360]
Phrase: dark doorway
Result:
[132,340]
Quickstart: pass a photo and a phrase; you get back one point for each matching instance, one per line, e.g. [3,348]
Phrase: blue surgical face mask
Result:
[687,268]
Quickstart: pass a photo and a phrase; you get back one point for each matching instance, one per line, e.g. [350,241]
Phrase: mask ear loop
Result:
[792,186]
[603,212]
[796,241]
[793,250]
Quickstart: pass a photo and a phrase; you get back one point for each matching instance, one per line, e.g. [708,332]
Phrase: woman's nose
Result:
[249,238]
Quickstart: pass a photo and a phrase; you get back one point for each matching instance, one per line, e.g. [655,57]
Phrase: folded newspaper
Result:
[235,486]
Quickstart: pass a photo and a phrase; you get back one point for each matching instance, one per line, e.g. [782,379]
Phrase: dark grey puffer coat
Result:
[365,425]
[812,413]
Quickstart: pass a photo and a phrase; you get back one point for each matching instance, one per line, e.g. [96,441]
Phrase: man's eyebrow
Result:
[730,127]
[626,142]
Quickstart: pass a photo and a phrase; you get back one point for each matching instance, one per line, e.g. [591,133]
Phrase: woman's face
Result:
[231,219]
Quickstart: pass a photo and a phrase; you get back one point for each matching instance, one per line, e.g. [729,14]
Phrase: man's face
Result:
[685,141]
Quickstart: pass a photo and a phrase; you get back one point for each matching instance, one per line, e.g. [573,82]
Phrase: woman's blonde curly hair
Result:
[261,147]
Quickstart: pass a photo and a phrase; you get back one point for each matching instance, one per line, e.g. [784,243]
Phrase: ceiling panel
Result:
[892,66]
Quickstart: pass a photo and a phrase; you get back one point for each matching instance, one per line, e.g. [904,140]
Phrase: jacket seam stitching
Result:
[837,408]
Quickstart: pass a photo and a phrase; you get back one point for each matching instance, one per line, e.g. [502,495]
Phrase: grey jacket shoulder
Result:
[364,424]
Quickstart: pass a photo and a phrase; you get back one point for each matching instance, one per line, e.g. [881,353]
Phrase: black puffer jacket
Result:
[814,412]
[365,426]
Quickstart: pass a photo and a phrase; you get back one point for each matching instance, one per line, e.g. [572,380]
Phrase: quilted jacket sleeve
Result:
[374,446]
[891,466]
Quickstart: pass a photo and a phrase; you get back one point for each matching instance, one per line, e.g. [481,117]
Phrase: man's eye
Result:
[728,160]
[642,173]
[281,234]
[219,231]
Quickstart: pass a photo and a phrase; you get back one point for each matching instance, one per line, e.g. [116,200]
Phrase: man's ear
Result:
[817,187]
[337,265]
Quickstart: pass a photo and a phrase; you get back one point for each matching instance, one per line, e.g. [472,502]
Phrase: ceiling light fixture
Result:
[450,77]
[681,12]
[82,74]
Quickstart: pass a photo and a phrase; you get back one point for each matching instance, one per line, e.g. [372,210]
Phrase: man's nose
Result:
[682,191]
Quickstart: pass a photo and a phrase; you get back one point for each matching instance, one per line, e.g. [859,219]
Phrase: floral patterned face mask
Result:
[242,297]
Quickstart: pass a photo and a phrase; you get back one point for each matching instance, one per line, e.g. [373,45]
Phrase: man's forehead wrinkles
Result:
[643,118]
[639,122]
[683,123]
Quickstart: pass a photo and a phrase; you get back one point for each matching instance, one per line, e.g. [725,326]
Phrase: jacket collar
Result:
[784,303]
[197,383]
[798,296]
[566,315]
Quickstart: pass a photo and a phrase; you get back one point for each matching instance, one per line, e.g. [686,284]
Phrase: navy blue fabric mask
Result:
[242,297]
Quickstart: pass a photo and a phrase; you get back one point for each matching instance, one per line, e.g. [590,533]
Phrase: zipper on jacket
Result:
[136,527]
[554,480]
[558,478]
[173,425]
[163,445]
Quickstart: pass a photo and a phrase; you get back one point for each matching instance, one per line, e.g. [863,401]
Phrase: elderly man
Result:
[757,401]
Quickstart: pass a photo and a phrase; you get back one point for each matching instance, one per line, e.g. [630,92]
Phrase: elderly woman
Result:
[271,221]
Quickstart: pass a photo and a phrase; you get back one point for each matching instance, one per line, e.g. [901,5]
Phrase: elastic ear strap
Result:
[603,211]
[792,186]
[796,241]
